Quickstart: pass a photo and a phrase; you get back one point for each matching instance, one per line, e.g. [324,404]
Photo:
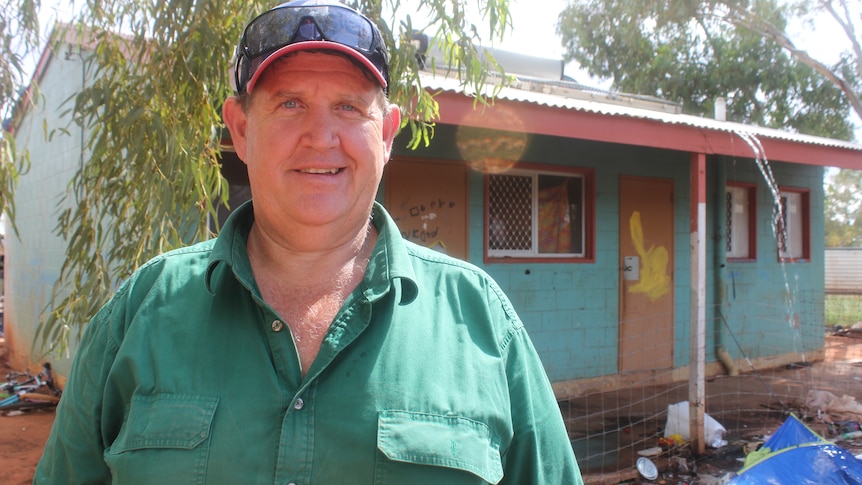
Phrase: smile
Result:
[331,171]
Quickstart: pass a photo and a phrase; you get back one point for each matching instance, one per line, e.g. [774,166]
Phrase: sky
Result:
[534,33]
[534,28]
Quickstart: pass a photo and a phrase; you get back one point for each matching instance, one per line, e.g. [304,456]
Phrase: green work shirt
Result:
[426,375]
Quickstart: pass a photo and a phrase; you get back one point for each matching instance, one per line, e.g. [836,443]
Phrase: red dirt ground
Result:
[23,439]
[24,435]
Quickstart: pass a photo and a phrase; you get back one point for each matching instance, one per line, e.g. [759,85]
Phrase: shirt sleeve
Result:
[540,451]
[73,452]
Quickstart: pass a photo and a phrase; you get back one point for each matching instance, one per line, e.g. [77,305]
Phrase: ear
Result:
[391,125]
[235,118]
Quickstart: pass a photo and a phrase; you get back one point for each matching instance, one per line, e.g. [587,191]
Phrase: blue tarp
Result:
[796,455]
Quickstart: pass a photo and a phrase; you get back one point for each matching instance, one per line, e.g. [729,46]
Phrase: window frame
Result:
[535,170]
[804,220]
[751,191]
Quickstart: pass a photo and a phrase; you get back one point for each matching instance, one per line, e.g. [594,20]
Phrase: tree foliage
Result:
[19,27]
[843,225]
[152,108]
[694,51]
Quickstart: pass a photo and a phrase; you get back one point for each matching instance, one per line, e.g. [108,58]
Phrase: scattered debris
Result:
[854,330]
[677,424]
[711,480]
[655,451]
[647,468]
[829,408]
[842,427]
[679,464]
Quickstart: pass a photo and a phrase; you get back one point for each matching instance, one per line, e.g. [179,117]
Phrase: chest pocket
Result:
[434,448]
[164,439]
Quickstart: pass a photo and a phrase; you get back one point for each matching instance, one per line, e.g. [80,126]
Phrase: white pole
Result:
[697,357]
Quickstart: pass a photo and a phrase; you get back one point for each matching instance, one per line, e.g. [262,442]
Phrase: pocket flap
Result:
[433,439]
[166,421]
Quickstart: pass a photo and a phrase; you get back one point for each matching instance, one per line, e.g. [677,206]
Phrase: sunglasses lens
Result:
[282,26]
[308,31]
[346,27]
[289,24]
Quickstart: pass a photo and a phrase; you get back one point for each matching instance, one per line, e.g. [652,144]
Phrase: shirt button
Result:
[277,325]
[298,404]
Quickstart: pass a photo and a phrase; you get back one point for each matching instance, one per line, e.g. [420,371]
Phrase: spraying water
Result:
[779,229]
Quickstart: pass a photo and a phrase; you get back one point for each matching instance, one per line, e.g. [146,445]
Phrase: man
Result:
[308,343]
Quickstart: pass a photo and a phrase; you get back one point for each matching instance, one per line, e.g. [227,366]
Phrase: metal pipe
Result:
[720,254]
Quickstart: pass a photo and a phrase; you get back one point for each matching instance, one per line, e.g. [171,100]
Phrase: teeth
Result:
[321,170]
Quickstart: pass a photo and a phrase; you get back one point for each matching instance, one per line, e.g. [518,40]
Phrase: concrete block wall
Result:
[776,306]
[34,257]
[571,310]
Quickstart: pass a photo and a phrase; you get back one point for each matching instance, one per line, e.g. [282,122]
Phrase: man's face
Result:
[315,138]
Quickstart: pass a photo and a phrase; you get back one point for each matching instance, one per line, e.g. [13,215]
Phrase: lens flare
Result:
[490,150]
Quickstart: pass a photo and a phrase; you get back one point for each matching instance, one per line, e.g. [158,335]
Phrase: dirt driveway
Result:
[611,430]
[24,435]
[746,415]
[21,446]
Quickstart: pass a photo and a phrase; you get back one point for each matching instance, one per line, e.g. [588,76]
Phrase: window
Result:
[792,225]
[539,214]
[740,221]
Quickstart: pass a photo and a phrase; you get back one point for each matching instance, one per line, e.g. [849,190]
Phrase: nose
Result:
[320,129]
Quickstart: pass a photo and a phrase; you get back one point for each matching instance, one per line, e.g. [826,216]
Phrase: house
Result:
[633,240]
[615,229]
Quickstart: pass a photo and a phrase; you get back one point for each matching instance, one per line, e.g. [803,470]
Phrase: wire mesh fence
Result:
[778,358]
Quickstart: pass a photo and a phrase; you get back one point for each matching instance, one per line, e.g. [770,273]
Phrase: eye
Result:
[347,107]
[290,104]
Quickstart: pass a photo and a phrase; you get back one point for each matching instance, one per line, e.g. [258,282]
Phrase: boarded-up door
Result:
[646,274]
[428,201]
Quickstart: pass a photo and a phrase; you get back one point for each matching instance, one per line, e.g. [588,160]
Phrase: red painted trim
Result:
[698,187]
[534,260]
[457,109]
[752,221]
[805,200]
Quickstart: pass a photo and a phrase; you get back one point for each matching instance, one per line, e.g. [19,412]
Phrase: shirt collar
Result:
[389,261]
[230,248]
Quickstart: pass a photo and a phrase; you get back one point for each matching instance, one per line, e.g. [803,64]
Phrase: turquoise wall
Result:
[35,255]
[774,307]
[571,309]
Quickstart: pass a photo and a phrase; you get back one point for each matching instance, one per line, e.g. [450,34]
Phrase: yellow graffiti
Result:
[654,281]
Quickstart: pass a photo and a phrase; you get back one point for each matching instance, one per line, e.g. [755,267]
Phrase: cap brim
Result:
[315,45]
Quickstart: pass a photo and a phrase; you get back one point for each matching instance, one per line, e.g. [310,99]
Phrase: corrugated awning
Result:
[551,109]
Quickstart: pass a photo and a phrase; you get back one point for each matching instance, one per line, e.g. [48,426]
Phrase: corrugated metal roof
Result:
[571,96]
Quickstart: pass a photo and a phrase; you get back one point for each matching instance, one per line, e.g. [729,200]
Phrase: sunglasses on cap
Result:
[304,25]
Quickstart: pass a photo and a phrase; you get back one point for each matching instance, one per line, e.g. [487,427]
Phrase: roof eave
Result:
[540,113]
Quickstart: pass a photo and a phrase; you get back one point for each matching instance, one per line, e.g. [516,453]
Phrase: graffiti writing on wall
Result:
[422,222]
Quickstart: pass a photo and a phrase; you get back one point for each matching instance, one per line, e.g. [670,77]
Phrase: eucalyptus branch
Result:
[767,30]
[847,25]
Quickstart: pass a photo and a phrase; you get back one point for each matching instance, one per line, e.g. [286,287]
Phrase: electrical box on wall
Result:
[631,268]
